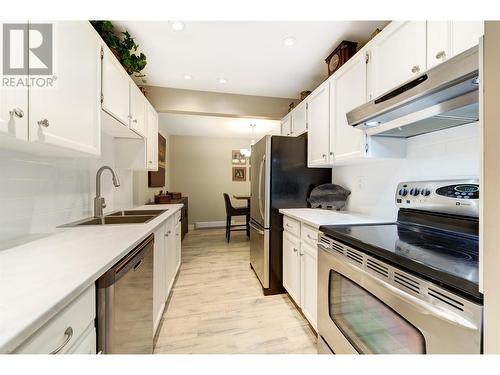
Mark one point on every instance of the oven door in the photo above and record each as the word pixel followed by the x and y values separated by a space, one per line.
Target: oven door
pixel 360 313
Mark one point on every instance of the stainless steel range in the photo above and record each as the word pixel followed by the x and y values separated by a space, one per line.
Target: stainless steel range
pixel 406 287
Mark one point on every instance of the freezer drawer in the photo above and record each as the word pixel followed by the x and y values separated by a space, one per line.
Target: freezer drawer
pixel 259 252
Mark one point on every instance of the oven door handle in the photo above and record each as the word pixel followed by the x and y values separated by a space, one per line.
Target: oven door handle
pixel 426 308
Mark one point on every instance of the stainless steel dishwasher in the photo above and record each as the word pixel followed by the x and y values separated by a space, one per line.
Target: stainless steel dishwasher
pixel 125 304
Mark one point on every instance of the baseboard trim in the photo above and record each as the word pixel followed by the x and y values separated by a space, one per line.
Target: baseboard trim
pixel 215 224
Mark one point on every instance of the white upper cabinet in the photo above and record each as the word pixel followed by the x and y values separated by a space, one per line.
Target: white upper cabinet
pixel 465 34
pixel 68 114
pixel 137 110
pixel 115 88
pixel 286 125
pixel 318 121
pixel 299 119
pixel 438 42
pixel 152 139
pixel 397 54
pixel 446 39
pixel 348 91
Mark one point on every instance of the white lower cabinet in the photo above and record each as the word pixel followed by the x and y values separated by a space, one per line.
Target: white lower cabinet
pixel 291 266
pixel 159 276
pixel 300 265
pixel 167 260
pixel 309 282
pixel 65 332
pixel 86 344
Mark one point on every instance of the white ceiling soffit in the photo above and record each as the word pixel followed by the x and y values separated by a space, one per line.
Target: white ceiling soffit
pixel 212 126
pixel 249 55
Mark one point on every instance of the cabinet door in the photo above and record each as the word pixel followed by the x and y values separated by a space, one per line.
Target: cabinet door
pixel 299 119
pixel 465 35
pixel 115 88
pixel 397 55
pixel 177 240
pixel 286 125
pixel 13 102
pixel 171 260
pixel 137 110
pixel 438 42
pixel 291 266
pixel 318 121
pixel 68 114
pixel 348 92
pixel 86 343
pixel 152 139
pixel 309 282
pixel 159 276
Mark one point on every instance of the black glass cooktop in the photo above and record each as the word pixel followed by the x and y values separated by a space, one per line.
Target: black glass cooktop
pixel 446 258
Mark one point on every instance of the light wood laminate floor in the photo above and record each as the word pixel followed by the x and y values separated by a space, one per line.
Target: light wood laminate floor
pixel 217 305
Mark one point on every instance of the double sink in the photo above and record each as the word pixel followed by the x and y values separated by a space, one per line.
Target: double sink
pixel 120 217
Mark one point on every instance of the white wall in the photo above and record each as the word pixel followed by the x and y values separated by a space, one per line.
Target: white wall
pixel 39 193
pixel 448 153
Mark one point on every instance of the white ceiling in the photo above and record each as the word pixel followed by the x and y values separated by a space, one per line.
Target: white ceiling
pixel 250 55
pixel 212 126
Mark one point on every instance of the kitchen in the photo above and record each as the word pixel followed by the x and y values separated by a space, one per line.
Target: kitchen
pixel 359 216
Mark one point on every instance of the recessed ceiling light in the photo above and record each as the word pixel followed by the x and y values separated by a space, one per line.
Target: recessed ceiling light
pixel 188 77
pixel 289 41
pixel 177 25
pixel 222 80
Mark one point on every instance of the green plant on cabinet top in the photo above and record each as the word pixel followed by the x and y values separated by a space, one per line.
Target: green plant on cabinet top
pixel 123 47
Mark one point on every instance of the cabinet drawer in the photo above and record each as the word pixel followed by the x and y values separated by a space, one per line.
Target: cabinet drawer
pixel 291 225
pixel 85 344
pixel 64 328
pixel 309 235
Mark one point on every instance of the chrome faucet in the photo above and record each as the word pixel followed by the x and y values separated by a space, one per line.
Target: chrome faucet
pixel 99 202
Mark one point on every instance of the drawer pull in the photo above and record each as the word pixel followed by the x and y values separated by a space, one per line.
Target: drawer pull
pixel 69 334
pixel 311 238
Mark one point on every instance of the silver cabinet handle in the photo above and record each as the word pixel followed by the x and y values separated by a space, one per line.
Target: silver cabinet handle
pixel 69 334
pixel 324 156
pixel 134 120
pixel 415 69
pixel 295 250
pixel 150 162
pixel 17 112
pixel 309 236
pixel 440 55
pixel 43 122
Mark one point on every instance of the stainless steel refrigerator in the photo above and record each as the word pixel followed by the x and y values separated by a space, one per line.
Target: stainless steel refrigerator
pixel 279 179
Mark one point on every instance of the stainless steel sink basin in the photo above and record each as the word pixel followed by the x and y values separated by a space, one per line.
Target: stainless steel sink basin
pixel 120 217
pixel 113 220
pixel 137 213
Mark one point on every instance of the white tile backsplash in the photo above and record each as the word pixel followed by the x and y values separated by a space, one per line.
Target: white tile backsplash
pixel 38 193
pixel 450 153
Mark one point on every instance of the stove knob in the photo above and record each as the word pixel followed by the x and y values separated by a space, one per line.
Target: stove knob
pixel 403 192
pixel 426 192
pixel 415 192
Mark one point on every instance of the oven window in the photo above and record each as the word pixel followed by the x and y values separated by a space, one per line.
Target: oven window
pixel 369 324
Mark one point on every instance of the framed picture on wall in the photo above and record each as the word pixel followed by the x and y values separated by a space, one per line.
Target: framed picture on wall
pixel 239 174
pixel 237 158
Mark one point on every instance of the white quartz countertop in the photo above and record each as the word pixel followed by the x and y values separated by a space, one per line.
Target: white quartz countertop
pixel 317 217
pixel 39 278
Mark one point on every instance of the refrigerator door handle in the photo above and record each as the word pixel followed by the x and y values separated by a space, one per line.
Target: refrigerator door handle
pixel 260 231
pixel 260 187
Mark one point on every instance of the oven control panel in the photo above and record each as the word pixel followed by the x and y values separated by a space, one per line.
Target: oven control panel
pixel 457 197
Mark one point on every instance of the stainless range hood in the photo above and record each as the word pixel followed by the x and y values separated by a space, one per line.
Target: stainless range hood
pixel 444 96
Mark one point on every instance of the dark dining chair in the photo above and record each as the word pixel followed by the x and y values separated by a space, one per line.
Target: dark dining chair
pixel 236 211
